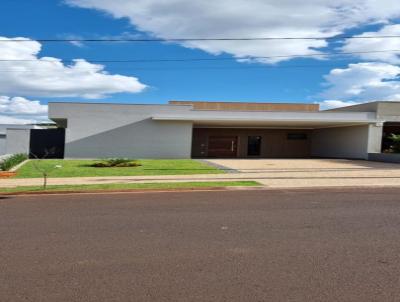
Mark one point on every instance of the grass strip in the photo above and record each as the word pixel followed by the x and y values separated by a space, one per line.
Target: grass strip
pixel 131 186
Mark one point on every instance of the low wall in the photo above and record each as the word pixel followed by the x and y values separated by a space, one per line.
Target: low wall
pixel 385 157
pixel 18 141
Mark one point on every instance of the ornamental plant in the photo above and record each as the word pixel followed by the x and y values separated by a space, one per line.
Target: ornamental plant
pixel 116 162
pixel 395 147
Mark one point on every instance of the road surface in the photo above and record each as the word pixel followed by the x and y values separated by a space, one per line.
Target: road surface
pixel 257 245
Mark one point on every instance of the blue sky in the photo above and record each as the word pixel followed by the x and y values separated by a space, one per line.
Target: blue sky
pixel 296 80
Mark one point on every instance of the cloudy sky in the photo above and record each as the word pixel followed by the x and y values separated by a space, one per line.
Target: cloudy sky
pixel 356 66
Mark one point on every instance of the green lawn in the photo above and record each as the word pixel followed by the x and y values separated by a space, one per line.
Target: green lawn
pixel 80 168
pixel 134 186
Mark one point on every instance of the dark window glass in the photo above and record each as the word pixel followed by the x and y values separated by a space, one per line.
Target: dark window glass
pixel 254 146
pixel 297 136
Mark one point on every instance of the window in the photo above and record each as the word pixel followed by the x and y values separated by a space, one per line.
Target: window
pixel 254 146
pixel 297 136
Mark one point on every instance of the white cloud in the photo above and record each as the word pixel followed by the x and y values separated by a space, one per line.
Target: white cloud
pixel 19 110
pixel 20 105
pixel 330 104
pixel 241 18
pixel 377 44
pixel 363 82
pixel 50 77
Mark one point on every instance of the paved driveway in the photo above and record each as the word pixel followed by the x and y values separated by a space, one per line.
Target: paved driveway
pixel 314 172
pixel 300 165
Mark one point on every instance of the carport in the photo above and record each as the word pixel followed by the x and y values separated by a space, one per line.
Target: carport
pixel 229 134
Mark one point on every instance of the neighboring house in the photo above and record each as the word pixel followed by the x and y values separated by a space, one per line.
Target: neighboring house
pixel 13 138
pixel 211 130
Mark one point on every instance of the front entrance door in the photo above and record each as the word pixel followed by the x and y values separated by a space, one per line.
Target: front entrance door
pixel 222 146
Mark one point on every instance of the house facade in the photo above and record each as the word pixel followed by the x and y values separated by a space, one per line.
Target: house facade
pixel 15 138
pixel 184 129
pixel 223 130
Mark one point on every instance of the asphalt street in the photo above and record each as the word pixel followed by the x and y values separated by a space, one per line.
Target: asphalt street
pixel 256 245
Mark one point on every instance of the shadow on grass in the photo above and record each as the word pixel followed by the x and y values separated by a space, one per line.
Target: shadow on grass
pixel 89 166
pixel 151 169
pixel 181 169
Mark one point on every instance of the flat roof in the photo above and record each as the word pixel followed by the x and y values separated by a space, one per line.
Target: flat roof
pixel 214 105
pixel 108 103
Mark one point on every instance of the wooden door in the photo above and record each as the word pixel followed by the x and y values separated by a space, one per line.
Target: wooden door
pixel 222 146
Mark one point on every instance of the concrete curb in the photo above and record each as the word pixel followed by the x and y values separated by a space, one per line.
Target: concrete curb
pixel 283 190
pixel 66 192
pixel 15 168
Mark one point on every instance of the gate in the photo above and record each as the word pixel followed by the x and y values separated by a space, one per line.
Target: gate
pixel 47 143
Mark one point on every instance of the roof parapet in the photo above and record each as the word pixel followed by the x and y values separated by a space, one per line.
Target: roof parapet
pixel 246 106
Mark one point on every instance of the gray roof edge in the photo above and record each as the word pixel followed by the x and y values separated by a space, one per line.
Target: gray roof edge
pixel 361 104
pixel 118 104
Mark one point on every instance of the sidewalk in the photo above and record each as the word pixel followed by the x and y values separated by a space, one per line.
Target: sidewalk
pixel 273 179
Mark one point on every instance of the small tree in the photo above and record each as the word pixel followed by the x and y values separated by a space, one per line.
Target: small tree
pixel 395 138
pixel 42 169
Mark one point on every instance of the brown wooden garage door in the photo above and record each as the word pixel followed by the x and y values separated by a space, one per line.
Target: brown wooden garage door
pixel 222 146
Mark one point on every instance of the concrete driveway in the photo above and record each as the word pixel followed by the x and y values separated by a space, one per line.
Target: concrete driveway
pixel 299 165
pixel 280 173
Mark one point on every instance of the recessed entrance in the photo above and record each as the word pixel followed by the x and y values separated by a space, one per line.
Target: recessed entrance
pixel 222 146
pixel 251 143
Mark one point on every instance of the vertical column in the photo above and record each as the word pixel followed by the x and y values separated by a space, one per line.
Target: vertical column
pixel 375 133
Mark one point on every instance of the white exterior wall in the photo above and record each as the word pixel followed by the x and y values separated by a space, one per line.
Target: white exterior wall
pixel 375 138
pixel 346 142
pixel 3 140
pixel 116 130
pixel 3 135
pixel 18 141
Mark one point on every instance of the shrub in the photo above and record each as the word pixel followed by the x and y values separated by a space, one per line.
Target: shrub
pixel 116 162
pixel 12 161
